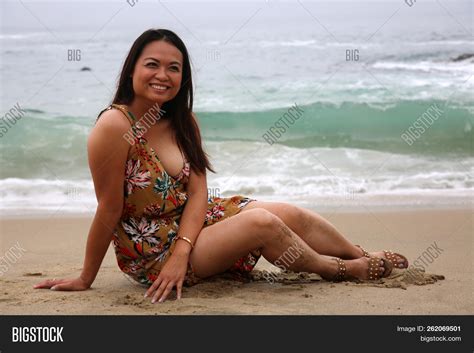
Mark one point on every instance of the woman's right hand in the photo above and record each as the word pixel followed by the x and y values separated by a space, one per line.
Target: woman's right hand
pixel 76 284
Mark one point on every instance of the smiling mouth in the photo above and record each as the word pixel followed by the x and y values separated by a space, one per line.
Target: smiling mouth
pixel 159 88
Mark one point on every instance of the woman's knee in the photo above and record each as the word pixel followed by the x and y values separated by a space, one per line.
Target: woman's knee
pixel 263 221
pixel 291 212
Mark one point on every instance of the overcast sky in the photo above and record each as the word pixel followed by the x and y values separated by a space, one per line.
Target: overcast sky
pixel 90 15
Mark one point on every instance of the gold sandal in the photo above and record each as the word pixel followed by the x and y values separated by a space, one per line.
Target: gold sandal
pixel 373 270
pixel 391 257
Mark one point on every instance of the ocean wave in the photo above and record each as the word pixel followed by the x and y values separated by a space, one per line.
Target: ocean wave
pixel 42 145
pixel 426 66
pixel 23 35
pixel 18 195
pixel 323 44
pixel 350 125
pixel 336 175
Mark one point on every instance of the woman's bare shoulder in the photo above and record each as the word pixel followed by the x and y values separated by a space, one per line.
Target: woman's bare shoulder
pixel 111 131
pixel 112 120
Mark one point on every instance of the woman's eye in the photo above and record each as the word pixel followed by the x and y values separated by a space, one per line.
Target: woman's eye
pixel 151 64
pixel 174 68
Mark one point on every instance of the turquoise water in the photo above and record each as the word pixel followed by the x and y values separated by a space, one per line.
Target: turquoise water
pixel 252 63
pixel 351 125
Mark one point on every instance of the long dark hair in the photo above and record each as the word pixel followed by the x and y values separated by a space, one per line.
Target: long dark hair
pixel 180 108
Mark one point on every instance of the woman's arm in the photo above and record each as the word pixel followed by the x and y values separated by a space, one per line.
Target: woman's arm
pixel 107 152
pixel 192 220
pixel 191 223
pixel 194 213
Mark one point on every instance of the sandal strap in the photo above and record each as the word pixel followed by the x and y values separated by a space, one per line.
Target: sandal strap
pixel 341 271
pixel 389 255
pixel 366 254
pixel 394 258
pixel 373 270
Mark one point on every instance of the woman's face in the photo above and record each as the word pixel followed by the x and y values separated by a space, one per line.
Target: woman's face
pixel 158 72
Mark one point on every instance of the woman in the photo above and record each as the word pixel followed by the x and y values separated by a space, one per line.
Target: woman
pixel 149 173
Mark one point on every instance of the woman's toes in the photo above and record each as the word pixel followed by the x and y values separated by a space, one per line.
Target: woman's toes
pixel 381 268
pixel 401 263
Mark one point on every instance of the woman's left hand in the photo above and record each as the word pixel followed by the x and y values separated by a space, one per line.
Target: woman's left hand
pixel 172 274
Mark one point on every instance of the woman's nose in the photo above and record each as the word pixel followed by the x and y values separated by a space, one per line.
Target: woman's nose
pixel 161 74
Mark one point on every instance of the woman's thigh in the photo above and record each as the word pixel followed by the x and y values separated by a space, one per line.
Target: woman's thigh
pixel 218 246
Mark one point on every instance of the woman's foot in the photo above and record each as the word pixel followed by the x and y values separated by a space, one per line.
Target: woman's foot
pixel 397 260
pixel 364 268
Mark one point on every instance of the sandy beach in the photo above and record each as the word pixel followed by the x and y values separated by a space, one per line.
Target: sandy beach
pixel 37 248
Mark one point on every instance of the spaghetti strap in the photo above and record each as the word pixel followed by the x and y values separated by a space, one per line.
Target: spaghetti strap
pixel 101 112
pixel 125 112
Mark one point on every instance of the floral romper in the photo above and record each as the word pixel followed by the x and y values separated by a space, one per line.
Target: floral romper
pixel 145 235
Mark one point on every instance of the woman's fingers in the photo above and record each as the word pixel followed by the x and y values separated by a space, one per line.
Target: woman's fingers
pixel 44 284
pixel 64 286
pixel 49 283
pixel 153 287
pixel 168 289
pixel 160 290
pixel 179 288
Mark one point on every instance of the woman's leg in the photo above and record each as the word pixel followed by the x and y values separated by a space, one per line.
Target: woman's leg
pixel 317 232
pixel 218 247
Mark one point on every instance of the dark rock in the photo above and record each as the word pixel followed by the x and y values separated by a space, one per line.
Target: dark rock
pixel 463 57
